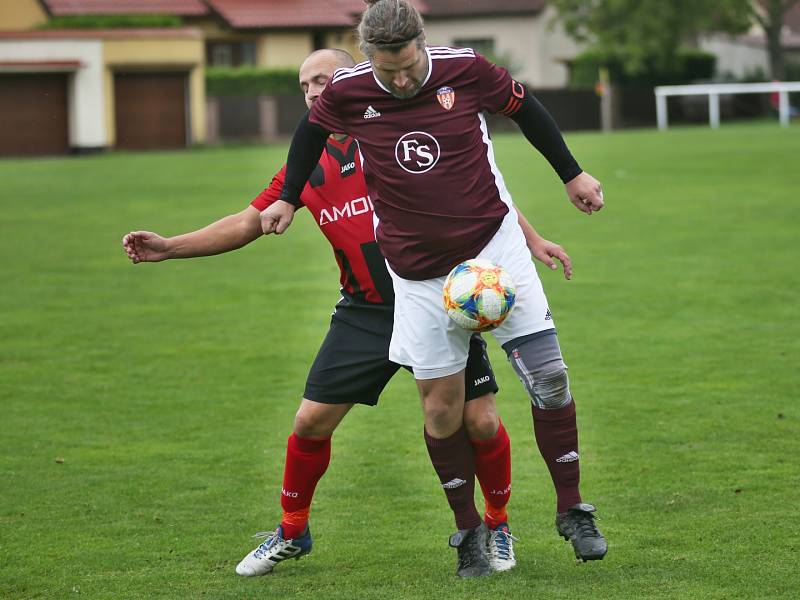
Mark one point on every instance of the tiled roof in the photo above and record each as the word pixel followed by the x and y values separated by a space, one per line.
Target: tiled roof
pixel 116 33
pixel 60 8
pixel 468 8
pixel 244 14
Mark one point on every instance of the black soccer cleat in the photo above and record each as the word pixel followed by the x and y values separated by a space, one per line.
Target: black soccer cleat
pixel 473 558
pixel 577 526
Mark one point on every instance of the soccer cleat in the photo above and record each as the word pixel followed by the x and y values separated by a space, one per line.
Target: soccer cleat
pixel 473 559
pixel 500 546
pixel 577 526
pixel 272 551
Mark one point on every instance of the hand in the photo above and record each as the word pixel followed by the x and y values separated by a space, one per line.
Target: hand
pixel 545 251
pixel 585 193
pixel 145 246
pixel 277 217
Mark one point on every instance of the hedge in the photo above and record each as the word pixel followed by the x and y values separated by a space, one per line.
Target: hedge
pixel 243 81
pixel 112 21
pixel 690 65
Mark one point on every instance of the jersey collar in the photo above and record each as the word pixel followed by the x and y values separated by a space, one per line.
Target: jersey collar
pixel 427 77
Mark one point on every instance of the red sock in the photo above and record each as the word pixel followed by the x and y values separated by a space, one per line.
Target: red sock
pixel 306 462
pixel 557 437
pixel 493 469
pixel 454 462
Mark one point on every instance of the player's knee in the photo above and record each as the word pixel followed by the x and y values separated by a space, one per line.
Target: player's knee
pixel 480 418
pixel 550 388
pixel 306 425
pixel 542 371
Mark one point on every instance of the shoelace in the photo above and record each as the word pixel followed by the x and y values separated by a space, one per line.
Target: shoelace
pixel 500 543
pixel 265 545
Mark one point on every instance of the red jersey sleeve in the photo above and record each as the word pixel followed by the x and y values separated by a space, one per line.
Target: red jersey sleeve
pixel 270 194
pixel 498 90
pixel 324 112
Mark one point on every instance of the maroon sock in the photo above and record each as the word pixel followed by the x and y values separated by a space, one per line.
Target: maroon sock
pixel 493 468
pixel 557 437
pixel 454 461
pixel 306 463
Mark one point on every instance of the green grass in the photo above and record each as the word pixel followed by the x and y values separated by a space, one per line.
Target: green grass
pixel 169 390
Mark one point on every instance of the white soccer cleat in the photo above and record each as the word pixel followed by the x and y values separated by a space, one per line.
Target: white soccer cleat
pixel 501 548
pixel 272 551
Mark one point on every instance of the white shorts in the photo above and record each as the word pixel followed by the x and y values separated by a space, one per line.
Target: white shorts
pixel 426 339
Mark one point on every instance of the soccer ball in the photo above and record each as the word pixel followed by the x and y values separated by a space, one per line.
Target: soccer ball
pixel 478 295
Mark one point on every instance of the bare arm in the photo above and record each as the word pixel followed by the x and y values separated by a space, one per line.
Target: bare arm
pixel 229 233
pixel 542 249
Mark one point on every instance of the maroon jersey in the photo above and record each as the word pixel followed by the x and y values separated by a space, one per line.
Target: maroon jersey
pixel 336 194
pixel 429 162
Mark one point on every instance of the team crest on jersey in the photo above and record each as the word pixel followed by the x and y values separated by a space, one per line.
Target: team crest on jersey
pixel 446 96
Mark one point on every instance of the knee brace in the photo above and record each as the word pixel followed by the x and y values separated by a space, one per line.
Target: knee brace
pixel 537 361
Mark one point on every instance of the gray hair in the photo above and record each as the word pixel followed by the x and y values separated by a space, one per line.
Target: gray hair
pixel 390 25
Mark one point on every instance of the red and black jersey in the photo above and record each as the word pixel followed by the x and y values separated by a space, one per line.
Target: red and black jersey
pixel 429 162
pixel 336 195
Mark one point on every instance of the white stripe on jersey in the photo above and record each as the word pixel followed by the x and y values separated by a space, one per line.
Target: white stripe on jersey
pixel 499 182
pixel 443 56
pixel 441 50
pixel 359 69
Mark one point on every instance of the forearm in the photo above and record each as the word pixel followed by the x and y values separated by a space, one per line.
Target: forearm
pixel 304 153
pixel 542 132
pixel 532 237
pixel 229 233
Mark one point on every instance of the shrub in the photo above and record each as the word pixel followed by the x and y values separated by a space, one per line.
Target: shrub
pixel 243 81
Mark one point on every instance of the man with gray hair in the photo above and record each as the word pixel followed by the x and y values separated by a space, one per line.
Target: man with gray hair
pixel 418 113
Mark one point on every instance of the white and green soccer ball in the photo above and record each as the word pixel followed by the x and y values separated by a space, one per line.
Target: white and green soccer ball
pixel 478 295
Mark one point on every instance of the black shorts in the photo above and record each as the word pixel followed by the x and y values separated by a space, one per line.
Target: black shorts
pixel 353 366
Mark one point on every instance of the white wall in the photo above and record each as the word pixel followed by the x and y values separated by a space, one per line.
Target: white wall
pixel 741 57
pixel 535 47
pixel 86 108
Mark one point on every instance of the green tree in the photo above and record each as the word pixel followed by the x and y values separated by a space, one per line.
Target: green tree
pixel 770 14
pixel 638 33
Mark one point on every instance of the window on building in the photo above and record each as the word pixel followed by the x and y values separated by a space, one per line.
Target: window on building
pixel 483 46
pixel 220 55
pixel 231 54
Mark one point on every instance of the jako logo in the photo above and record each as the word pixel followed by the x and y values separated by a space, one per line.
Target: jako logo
pixel 356 207
pixel 481 380
pixel 417 152
pixel 289 494
pixel 502 492
pixel 348 167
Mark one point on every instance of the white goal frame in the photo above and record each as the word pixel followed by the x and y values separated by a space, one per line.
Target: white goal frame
pixel 715 90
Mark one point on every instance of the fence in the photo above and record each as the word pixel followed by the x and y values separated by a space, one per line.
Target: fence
pixel 715 90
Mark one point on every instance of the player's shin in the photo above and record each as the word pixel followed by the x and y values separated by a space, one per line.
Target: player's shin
pixel 556 434
pixel 306 463
pixel 453 460
pixel 493 469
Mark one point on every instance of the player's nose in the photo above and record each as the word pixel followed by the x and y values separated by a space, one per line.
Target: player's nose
pixel 401 80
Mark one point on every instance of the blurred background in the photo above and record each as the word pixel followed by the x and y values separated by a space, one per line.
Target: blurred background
pixel 81 76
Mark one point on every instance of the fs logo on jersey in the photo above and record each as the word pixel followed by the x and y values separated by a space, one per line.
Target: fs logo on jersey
pixel 417 152
pixel 446 96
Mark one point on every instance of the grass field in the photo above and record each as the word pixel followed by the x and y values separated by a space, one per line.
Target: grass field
pixel 144 409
